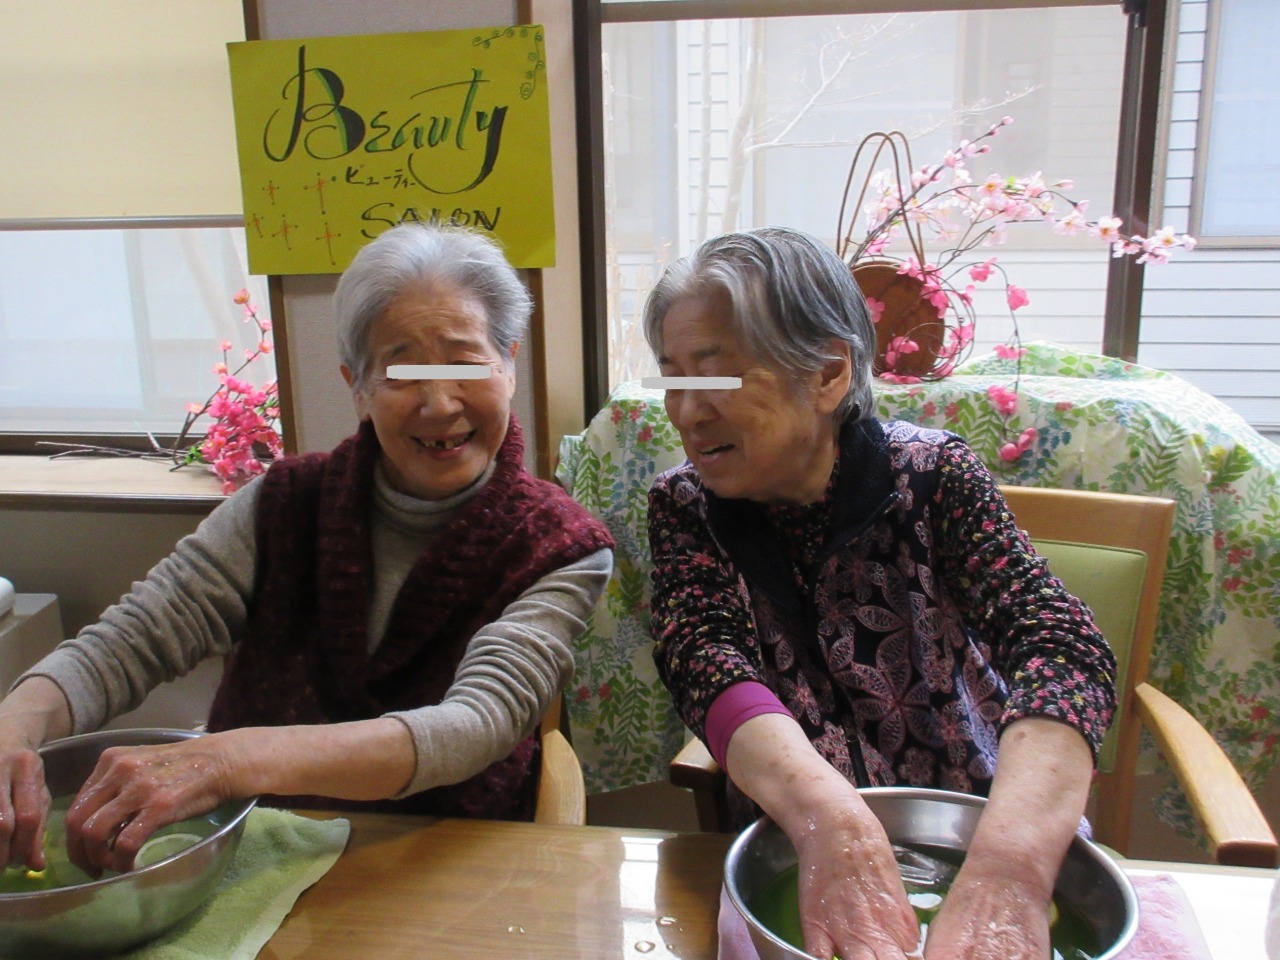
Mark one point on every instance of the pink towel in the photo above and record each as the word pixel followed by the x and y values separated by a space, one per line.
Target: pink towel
pixel 735 939
pixel 1167 927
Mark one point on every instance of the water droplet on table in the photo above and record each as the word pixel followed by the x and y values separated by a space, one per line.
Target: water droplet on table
pixel 645 946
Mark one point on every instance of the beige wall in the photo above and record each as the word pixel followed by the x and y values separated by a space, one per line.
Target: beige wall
pixel 561 293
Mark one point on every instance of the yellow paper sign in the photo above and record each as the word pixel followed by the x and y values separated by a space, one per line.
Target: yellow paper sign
pixel 342 138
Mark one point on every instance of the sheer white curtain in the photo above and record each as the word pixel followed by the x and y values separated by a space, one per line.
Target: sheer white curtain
pixel 115 331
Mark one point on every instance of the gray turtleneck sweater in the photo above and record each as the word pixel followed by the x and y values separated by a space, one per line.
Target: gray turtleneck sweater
pixel 193 605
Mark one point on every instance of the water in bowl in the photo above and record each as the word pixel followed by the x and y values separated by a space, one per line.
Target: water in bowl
pixel 61 872
pixel 777 908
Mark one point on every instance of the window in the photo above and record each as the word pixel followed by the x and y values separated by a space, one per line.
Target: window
pixel 713 125
pixel 116 331
pixel 121 251
pixel 1239 155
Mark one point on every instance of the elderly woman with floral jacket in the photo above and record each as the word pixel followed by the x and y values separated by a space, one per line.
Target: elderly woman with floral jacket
pixel 840 602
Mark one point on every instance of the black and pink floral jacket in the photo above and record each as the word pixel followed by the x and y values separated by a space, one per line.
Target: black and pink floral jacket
pixel 904 619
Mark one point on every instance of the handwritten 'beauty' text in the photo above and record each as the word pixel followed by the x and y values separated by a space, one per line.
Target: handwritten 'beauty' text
pixel 441 118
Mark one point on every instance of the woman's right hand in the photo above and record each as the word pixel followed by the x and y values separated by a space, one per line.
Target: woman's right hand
pixel 24 807
pixel 852 902
pixel 33 713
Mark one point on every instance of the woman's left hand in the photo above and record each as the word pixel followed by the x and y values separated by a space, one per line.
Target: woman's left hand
pixel 990 915
pixel 998 907
pixel 134 791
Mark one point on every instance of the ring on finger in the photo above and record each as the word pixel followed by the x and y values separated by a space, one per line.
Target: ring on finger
pixel 115 835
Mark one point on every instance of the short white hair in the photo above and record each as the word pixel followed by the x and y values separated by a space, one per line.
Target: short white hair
pixel 416 253
pixel 790 294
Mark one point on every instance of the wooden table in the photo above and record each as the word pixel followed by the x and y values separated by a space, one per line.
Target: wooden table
pixel 456 889
pixel 409 887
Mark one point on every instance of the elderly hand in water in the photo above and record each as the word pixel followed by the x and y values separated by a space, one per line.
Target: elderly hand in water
pixel 24 807
pixel 990 914
pixel 134 791
pixel 998 907
pixel 33 712
pixel 852 902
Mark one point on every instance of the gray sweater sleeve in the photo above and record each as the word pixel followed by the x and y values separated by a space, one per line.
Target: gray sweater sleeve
pixel 512 670
pixel 191 606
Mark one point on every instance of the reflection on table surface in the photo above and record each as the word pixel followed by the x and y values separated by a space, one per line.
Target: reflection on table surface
pixel 410 887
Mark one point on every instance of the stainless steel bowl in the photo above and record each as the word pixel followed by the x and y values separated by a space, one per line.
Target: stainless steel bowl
pixel 1089 881
pixel 116 913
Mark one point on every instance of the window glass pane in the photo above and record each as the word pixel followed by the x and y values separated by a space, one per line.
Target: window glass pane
pixel 729 124
pixel 1243 153
pixel 116 331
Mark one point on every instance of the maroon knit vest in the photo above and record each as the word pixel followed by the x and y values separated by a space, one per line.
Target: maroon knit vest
pixel 305 658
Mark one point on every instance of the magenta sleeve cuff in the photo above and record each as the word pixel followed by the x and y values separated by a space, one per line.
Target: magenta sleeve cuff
pixel 734 707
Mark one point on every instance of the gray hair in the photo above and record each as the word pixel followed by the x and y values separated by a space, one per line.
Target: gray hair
pixel 790 296
pixel 418 253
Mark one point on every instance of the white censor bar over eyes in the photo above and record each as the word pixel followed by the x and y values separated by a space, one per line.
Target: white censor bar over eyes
pixel 439 371
pixel 691 383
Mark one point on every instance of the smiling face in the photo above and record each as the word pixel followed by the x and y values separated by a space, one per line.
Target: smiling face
pixel 772 440
pixel 437 435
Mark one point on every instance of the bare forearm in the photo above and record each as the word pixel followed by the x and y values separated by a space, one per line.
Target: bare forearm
pixel 34 713
pixel 772 761
pixel 1037 799
pixel 361 760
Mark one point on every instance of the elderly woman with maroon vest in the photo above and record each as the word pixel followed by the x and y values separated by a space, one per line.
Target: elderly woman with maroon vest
pixel 396 614
pixel 840 602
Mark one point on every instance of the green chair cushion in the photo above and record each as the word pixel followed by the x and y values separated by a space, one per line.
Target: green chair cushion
pixel 1109 580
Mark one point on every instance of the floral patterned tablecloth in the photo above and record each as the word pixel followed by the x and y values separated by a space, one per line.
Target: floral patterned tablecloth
pixel 1101 424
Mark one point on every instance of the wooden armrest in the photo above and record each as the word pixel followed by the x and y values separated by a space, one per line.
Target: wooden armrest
pixel 562 792
pixel 695 769
pixel 1218 795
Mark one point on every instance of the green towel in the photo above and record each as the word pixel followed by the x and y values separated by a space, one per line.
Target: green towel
pixel 280 855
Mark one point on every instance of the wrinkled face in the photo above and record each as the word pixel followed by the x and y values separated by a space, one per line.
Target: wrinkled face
pixel 437 435
pixel 773 439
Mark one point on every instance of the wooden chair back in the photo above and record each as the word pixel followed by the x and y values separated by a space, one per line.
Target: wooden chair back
pixel 562 792
pixel 1125 596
